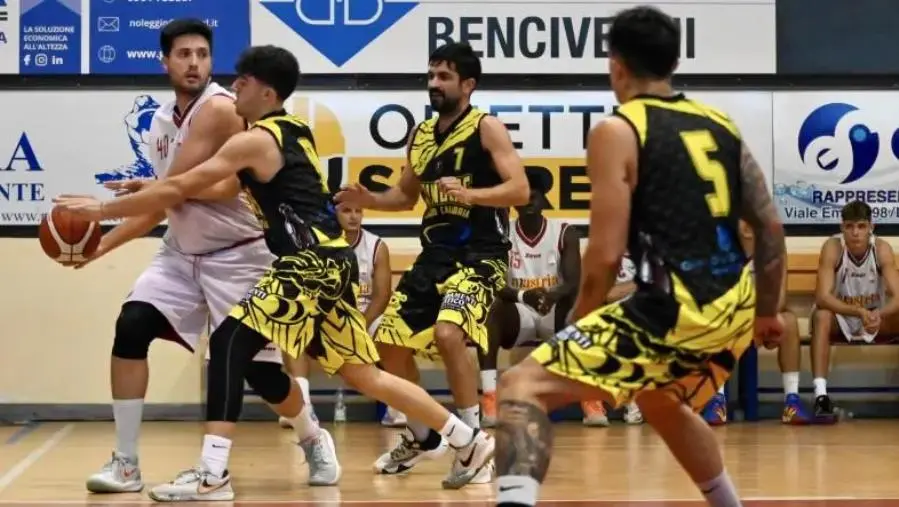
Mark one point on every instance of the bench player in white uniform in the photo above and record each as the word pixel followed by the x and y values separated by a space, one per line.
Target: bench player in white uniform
pixel 855 270
pixel 543 276
pixel 212 253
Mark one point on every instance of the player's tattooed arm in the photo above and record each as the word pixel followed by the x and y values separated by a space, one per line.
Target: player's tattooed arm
pixel 524 440
pixel 770 247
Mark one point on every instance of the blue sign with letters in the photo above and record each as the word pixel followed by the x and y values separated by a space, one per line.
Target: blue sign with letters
pixel 339 29
pixel 50 37
pixel 124 35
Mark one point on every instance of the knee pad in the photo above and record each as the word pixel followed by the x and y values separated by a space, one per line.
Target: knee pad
pixel 269 381
pixel 138 324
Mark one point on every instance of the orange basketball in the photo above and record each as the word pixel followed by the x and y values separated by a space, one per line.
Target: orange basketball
pixel 68 239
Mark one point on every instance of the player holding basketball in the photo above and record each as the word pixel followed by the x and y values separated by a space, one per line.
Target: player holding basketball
pixel 304 303
pixel 462 162
pixel 670 179
pixel 856 269
pixel 212 254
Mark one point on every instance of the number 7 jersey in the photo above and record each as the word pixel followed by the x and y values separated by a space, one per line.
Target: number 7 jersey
pixel 686 205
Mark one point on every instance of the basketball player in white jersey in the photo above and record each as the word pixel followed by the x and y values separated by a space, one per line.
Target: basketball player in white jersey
pixel 855 270
pixel 544 271
pixel 212 253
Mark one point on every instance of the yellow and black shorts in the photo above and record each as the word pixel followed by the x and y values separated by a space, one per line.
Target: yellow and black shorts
pixel 305 303
pixel 652 341
pixel 442 288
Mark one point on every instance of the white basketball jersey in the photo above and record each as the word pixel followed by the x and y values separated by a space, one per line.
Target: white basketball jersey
pixel 536 262
pixel 197 227
pixel 366 247
pixel 858 283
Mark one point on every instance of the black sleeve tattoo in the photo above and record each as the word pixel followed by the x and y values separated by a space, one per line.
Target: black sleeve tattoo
pixel 770 247
pixel 524 440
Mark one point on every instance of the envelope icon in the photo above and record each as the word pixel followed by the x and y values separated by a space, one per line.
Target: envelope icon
pixel 108 24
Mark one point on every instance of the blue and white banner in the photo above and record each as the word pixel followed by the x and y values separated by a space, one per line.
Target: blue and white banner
pixel 832 148
pixel 50 37
pixel 124 34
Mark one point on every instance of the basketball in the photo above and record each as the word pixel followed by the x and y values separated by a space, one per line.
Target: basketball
pixel 66 238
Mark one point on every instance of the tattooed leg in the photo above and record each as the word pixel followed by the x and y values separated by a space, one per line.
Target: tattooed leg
pixel 524 443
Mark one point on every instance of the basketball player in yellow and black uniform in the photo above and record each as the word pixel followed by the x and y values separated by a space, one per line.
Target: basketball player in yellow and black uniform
pixel 670 179
pixel 305 303
pixel 462 162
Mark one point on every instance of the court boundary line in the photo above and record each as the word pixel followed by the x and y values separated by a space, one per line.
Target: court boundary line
pixel 439 501
pixel 33 457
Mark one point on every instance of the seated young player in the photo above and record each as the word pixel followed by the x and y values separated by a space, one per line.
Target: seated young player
pixel 544 270
pixel 855 270
pixel 373 257
pixel 788 358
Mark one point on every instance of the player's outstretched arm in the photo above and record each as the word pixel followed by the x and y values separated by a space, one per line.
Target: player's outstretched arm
pixel 514 190
pixel 254 149
pixel 770 247
pixel 401 197
pixel 611 166
pixel 826 279
pixel 211 126
pixel 886 261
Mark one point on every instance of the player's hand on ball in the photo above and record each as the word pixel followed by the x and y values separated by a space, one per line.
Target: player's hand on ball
pixel 355 195
pixel 453 187
pixel 82 206
pixel 126 187
pixel 769 331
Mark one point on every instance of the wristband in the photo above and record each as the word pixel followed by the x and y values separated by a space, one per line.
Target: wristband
pixel 521 296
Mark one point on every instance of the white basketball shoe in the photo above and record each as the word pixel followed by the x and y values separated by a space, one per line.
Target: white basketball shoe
pixel 120 474
pixel 195 485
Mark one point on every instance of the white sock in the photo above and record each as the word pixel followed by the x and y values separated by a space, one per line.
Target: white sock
pixel 720 491
pixel 128 415
pixel 456 432
pixel 303 382
pixel 471 416
pixel 215 454
pixel 419 430
pixel 304 424
pixel 721 390
pixel 791 382
pixel 488 381
pixel 820 386
pixel 518 489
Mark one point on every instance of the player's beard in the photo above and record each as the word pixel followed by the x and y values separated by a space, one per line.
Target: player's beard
pixel 191 90
pixel 441 103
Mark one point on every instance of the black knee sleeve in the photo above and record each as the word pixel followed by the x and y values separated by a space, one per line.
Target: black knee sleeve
pixel 138 324
pixel 232 347
pixel 269 381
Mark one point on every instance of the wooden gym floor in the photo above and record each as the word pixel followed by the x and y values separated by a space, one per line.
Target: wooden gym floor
pixel 852 464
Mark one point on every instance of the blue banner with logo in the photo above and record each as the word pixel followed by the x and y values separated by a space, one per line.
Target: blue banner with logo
pixel 834 148
pixel 50 37
pixel 124 35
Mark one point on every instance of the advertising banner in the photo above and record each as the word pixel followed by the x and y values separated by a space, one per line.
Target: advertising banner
pixel 9 36
pixel 124 36
pixel 832 148
pixel 519 37
pixel 101 136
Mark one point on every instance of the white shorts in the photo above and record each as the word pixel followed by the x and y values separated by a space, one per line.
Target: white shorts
pixel 851 328
pixel 196 292
pixel 533 327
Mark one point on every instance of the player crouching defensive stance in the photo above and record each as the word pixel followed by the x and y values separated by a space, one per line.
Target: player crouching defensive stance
pixel 305 301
